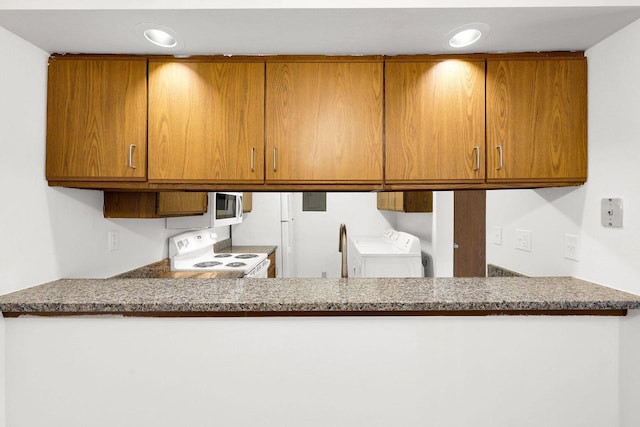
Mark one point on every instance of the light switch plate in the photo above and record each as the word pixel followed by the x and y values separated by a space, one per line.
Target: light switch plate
pixel 497 235
pixel 571 247
pixel 114 240
pixel 611 212
pixel 523 240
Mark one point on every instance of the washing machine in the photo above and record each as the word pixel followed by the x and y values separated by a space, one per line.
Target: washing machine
pixel 392 254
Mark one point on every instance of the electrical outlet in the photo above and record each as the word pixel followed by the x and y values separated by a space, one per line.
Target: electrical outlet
pixel 571 247
pixel 114 240
pixel 523 240
pixel 497 235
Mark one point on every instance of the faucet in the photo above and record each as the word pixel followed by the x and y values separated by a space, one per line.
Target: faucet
pixel 342 247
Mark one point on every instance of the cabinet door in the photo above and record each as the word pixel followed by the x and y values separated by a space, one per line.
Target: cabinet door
pixel 537 120
pixel 132 204
pixel 392 201
pixel 324 122
pixel 181 203
pixel 434 121
pixel 247 202
pixel 406 201
pixel 418 201
pixel 129 204
pixel 96 119
pixel 382 201
pixel 206 121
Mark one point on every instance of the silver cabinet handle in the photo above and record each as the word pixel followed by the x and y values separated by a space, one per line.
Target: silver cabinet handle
pixel 477 150
pixel 131 148
pixel 275 159
pixel 501 159
pixel 253 151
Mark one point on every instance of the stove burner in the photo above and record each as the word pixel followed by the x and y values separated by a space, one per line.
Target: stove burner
pixel 235 264
pixel 207 264
pixel 246 256
pixel 222 256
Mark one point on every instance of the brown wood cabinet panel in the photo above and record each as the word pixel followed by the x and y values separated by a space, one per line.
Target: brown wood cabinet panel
pixel 271 272
pixel 206 121
pixel 135 204
pixel 469 233
pixel 537 120
pixel 324 122
pixel 181 203
pixel 405 201
pixel 129 204
pixel 417 201
pixel 383 201
pixel 247 202
pixel 96 119
pixel 434 121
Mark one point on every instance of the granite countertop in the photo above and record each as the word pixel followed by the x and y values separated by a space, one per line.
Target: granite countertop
pixel 257 249
pixel 354 296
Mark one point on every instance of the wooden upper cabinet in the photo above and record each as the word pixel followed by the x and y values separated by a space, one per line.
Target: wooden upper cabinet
pixel 96 119
pixel 435 120
pixel 537 120
pixel 324 121
pixel 181 203
pixel 405 201
pixel 206 121
pixel 132 204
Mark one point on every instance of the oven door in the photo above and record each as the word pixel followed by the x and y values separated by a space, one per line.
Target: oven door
pixel 227 208
pixel 259 271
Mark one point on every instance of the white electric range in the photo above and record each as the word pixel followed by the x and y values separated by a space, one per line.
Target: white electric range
pixel 194 251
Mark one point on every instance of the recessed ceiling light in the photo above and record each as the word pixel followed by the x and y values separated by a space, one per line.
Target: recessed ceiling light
pixel 465 38
pixel 160 37
pixel 466 35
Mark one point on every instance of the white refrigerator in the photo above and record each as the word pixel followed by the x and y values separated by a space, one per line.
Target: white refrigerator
pixel 287 235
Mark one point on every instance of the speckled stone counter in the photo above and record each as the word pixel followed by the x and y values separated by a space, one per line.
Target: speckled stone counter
pixel 497 271
pixel 265 297
pixel 234 249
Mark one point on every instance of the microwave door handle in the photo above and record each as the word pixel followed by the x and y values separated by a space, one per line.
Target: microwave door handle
pixel 239 207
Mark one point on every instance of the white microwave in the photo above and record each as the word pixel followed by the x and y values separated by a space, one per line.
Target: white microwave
pixel 227 208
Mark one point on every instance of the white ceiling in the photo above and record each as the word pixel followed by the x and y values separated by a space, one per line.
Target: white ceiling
pixel 351 31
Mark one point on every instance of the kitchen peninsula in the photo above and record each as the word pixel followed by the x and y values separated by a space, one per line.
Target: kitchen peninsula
pixel 305 351
pixel 285 297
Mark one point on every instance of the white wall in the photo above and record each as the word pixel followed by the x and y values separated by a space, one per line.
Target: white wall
pixel 22 109
pixel 549 214
pixel 496 371
pixel 317 233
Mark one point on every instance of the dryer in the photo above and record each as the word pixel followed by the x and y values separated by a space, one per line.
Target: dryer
pixel 392 254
